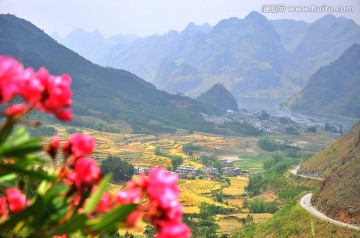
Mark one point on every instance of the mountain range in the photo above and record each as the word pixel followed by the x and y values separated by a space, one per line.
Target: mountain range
pixel 251 56
pixel 99 92
pixel 333 89
pixel 93 46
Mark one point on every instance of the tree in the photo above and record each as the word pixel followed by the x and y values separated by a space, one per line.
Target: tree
pixel 278 156
pixel 264 115
pixel 119 168
pixel 255 185
pixel 249 219
pixel 219 197
pixel 187 149
pixel 312 129
pixel 268 144
pixel 176 161
pixel 158 151
pixel 149 231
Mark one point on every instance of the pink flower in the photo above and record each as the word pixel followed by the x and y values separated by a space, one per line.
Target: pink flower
pixel 4 212
pixel 62 236
pixel 86 172
pixel 132 218
pixel 15 199
pixel 163 187
pixel 81 145
pixel 64 115
pixel 131 194
pixel 106 203
pixel 30 87
pixel 15 110
pixel 11 72
pixel 56 96
pixel 175 212
pixel 171 229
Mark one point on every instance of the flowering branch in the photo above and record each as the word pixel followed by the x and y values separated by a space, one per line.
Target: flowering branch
pixel 71 197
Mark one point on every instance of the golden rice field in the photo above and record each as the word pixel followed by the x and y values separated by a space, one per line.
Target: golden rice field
pixel 237 186
pixel 139 150
pixel 194 192
pixel 229 224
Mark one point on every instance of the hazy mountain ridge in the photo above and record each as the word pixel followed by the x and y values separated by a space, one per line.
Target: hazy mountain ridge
pixel 334 89
pixel 93 46
pixel 222 56
pixel 102 92
pixel 219 97
pixel 291 32
pixel 250 56
pixel 325 40
pixel 339 193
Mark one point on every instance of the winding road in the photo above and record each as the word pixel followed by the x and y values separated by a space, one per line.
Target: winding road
pixel 295 172
pixel 305 202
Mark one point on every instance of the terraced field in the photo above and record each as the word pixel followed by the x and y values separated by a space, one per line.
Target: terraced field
pixel 139 149
pixel 193 192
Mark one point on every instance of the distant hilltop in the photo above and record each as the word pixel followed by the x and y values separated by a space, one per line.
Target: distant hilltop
pixel 219 97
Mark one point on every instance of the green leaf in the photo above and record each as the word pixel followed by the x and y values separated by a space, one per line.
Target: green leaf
pixel 20 144
pixel 43 187
pixel 95 198
pixel 19 136
pixel 75 223
pixel 35 174
pixel 5 132
pixel 109 220
pixel 27 147
pixel 15 219
pixel 7 177
pixel 38 207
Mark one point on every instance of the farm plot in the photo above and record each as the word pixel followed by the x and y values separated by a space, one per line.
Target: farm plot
pixel 237 185
pixel 252 163
pixel 194 192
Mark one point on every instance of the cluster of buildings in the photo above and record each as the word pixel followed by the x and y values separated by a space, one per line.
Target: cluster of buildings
pixel 272 124
pixel 185 171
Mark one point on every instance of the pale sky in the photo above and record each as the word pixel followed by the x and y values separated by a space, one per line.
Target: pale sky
pixel 147 17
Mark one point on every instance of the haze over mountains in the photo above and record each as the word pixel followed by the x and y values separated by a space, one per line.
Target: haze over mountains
pixel 251 56
pixel 93 46
pixel 102 93
pixel 335 88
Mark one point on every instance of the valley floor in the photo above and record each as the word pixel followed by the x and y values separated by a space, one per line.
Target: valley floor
pixel 140 150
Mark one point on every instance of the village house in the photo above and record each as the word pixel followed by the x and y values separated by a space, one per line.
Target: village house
pixel 231 171
pixel 139 170
pixel 183 169
pixel 226 162
pixel 210 170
